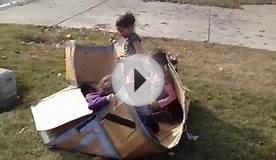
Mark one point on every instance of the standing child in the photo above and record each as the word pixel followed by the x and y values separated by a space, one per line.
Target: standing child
pixel 125 25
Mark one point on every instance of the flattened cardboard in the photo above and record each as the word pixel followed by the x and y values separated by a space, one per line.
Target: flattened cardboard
pixel 60 108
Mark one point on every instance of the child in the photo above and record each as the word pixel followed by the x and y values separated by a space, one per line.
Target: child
pixel 103 96
pixel 167 101
pixel 169 95
pixel 125 25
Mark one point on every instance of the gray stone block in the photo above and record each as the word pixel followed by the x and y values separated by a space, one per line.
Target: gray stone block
pixel 8 89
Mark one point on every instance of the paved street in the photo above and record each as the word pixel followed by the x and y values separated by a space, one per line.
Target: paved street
pixel 254 26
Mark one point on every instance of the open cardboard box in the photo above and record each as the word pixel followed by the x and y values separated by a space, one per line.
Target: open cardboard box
pixel 64 120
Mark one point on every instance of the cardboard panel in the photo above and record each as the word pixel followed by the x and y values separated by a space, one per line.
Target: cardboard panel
pixel 88 63
pixel 117 132
pixel 94 148
pixel 136 144
pixel 69 103
pixel 128 141
pixel 73 143
pixel 53 133
pixel 70 72
pixel 120 134
pixel 170 135
pixel 143 146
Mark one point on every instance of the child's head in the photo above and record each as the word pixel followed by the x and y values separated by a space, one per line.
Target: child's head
pixel 125 24
pixel 160 55
pixel 104 87
pixel 86 89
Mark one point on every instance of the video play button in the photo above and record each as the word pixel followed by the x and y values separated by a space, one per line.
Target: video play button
pixel 138 80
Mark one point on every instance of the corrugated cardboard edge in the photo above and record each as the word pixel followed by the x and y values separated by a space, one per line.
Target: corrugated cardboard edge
pixel 40 119
pixel 183 99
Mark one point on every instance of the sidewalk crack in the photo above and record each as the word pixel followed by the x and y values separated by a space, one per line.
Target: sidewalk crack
pixel 81 12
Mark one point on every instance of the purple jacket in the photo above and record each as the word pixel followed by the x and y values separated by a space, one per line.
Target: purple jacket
pixel 96 101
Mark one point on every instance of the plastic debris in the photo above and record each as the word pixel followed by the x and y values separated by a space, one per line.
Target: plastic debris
pixel 171 153
pixel 260 35
pixel 262 30
pixel 35 57
pixel 22 130
pixel 190 136
pixel 30 42
pixel 58 45
pixel 164 23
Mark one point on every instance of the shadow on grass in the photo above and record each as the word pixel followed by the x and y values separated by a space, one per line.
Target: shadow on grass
pixel 218 139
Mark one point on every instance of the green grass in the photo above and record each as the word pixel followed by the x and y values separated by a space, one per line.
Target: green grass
pixel 233 110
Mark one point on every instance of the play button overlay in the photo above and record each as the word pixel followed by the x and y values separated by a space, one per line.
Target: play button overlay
pixel 137 80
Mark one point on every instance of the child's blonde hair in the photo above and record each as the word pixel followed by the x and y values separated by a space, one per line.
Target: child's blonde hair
pixel 104 86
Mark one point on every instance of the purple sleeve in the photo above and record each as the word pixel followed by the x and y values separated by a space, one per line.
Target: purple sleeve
pixel 96 102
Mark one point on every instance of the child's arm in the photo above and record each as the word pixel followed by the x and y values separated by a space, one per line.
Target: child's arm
pixel 97 102
pixel 138 46
pixel 170 98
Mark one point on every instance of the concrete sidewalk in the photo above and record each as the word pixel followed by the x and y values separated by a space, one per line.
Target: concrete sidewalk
pixel 4 4
pixel 255 26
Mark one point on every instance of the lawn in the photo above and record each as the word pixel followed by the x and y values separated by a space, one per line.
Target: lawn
pixel 233 94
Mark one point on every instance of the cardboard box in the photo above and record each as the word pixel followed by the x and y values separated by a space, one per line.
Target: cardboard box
pixel 64 120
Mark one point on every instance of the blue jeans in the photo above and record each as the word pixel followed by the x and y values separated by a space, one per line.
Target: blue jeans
pixel 145 115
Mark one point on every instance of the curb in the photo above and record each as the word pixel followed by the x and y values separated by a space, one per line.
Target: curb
pixel 15 3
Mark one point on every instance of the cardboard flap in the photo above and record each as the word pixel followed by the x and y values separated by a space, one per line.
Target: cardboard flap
pixel 88 64
pixel 60 108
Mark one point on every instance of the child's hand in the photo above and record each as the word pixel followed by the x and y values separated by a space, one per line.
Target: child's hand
pixel 113 38
pixel 155 106
pixel 119 58
pixel 112 98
